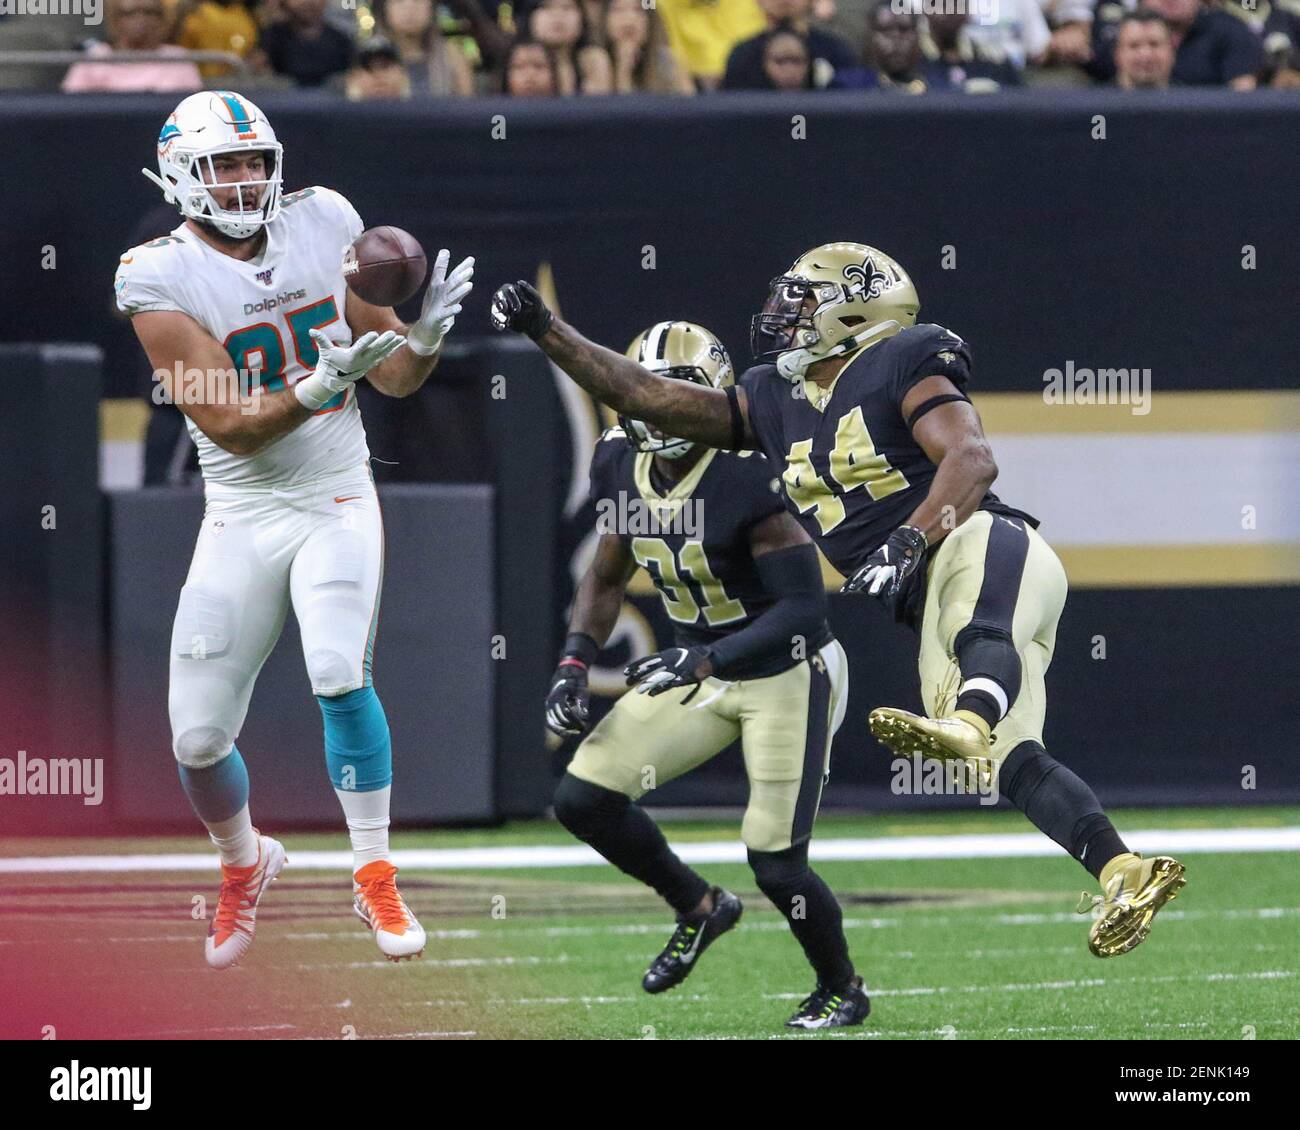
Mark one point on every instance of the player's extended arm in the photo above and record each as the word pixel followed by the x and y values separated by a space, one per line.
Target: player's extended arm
pixel 679 408
pixel 953 438
pixel 596 606
pixel 405 371
pixel 790 570
pixel 199 377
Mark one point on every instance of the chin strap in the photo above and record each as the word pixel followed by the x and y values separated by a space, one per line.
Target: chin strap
pixel 794 362
pixel 168 191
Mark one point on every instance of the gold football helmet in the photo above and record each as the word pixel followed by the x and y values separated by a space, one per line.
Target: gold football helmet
pixel 684 351
pixel 833 299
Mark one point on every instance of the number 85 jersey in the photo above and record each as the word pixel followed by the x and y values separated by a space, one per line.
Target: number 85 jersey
pixel 261 311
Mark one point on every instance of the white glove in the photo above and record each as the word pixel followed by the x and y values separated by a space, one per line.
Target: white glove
pixel 441 304
pixel 342 365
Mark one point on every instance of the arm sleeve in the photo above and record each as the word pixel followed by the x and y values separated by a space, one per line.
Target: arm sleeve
pixel 930 351
pixel 794 577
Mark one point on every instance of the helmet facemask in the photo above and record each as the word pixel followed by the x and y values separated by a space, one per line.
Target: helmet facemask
pixel 195 198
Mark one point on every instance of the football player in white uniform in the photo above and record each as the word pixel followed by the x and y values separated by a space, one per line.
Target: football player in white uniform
pixel 251 283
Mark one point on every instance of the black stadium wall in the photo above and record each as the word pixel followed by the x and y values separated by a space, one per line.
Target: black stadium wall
pixel 1014 215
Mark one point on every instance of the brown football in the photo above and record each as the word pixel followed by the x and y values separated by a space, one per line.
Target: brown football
pixel 384 266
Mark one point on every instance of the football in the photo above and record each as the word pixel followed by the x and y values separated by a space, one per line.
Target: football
pixel 384 266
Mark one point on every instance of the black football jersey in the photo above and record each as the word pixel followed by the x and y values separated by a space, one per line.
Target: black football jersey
pixel 692 537
pixel 852 473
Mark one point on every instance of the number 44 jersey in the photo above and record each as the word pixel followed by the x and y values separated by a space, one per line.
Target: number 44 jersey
pixel 261 311
pixel 851 471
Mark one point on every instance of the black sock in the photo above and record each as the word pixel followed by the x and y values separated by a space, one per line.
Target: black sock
pixel 980 703
pixel 809 907
pixel 623 833
pixel 1060 805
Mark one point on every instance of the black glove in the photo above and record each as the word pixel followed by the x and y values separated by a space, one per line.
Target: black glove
pixel 672 667
pixel 568 702
pixel 890 565
pixel 517 306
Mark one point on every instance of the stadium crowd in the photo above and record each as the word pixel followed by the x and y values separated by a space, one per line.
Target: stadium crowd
pixel 388 49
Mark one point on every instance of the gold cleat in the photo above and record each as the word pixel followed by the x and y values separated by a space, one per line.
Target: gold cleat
pixel 962 738
pixel 1133 895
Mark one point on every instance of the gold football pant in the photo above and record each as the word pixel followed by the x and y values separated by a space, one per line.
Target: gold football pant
pixel 999 574
pixel 785 723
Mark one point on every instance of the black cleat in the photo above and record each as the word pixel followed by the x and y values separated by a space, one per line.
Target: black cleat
pixel 833 1008
pixel 692 937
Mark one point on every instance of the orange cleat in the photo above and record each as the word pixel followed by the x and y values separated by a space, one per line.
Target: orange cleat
pixel 379 904
pixel 231 932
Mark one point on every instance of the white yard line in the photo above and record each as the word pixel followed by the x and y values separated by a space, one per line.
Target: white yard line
pixel 993 846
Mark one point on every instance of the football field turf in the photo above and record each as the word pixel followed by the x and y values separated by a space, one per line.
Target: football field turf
pixel 961 948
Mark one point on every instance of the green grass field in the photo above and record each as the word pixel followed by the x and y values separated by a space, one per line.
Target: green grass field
pixel 964 949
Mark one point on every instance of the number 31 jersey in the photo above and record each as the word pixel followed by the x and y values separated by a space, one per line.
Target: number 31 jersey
pixel 693 538
pixel 261 311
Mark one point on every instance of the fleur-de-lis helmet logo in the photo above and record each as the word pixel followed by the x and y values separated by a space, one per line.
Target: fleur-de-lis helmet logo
pixel 868 279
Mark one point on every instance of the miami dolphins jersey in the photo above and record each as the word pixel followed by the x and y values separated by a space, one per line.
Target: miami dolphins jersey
pixel 261 311
pixel 692 537
pixel 851 471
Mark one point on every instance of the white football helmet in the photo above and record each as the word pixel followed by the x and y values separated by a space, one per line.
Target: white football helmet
pixel 203 125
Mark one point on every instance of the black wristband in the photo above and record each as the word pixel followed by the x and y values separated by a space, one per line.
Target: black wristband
pixel 737 419
pixel 579 645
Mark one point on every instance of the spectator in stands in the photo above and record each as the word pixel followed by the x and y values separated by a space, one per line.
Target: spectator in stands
pixel 787 61
pixel 432 64
pixel 529 70
pixel 638 48
pixel 304 46
pixel 1012 31
pixel 1211 47
pixel 219 25
pixel 582 67
pixel 1070 22
pixel 703 34
pixel 954 61
pixel 1144 52
pixel 377 73
pixel 828 51
pixel 893 56
pixel 1278 30
pixel 133 25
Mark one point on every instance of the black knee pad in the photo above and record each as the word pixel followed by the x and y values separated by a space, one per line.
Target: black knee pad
pixel 780 874
pixel 989 652
pixel 582 807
